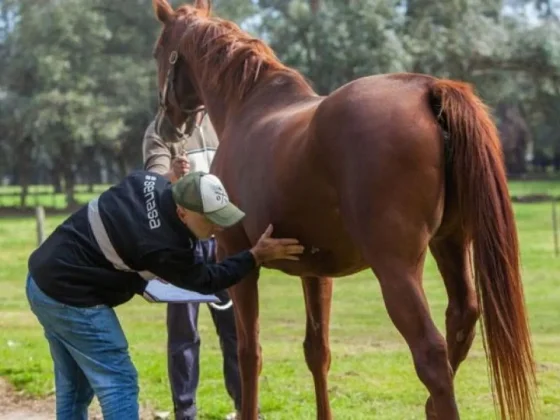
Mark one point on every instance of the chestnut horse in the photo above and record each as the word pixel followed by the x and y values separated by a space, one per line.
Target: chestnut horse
pixel 370 176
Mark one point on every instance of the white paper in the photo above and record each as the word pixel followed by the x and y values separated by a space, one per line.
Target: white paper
pixel 166 292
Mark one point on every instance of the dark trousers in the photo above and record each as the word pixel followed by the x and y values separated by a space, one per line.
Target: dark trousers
pixel 183 347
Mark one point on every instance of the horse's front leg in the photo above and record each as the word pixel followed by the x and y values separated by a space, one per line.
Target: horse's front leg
pixel 318 296
pixel 245 297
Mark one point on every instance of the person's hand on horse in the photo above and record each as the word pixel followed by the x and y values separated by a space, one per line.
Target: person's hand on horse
pixel 269 249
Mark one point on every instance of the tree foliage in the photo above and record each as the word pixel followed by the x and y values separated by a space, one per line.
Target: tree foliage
pixel 78 82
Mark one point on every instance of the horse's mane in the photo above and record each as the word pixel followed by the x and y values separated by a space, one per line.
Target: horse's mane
pixel 224 52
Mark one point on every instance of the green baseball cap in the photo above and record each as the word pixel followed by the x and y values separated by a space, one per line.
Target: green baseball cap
pixel 204 193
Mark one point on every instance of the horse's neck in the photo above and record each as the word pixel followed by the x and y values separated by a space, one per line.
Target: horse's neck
pixel 217 111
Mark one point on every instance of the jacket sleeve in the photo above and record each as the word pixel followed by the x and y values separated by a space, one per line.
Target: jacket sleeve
pixel 205 278
pixel 156 155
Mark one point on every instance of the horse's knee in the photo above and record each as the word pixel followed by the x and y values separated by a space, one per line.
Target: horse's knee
pixel 317 353
pixel 249 356
pixel 432 366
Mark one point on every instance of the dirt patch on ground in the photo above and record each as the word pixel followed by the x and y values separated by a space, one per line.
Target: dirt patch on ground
pixel 15 405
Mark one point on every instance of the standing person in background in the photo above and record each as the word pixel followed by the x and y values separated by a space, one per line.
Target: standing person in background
pixel 194 152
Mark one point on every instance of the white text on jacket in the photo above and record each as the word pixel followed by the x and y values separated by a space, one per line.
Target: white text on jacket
pixel 149 197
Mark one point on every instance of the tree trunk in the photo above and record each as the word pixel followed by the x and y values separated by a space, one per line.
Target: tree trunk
pixel 24 190
pixel 121 162
pixel 314 5
pixel 55 179
pixel 23 167
pixel 93 171
pixel 69 184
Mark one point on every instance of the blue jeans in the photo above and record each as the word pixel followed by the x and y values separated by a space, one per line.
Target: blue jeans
pixel 90 355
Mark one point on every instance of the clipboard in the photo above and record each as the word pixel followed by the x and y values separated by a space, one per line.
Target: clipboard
pixel 158 291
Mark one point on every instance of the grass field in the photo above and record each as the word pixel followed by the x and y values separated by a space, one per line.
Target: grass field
pixel 371 376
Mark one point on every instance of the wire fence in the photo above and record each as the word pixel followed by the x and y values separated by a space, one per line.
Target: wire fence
pixel 46 196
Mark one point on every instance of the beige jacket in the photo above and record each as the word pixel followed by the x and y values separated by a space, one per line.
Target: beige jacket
pixel 200 148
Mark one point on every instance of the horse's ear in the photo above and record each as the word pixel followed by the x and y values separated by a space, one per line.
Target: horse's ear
pixel 205 5
pixel 163 10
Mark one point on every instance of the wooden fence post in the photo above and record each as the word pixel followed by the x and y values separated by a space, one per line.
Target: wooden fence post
pixel 40 218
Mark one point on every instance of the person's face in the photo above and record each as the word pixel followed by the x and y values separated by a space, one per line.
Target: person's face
pixel 198 224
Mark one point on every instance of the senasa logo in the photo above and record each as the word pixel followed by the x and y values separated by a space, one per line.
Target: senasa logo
pixel 151 206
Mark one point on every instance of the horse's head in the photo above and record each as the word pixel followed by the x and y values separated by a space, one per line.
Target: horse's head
pixel 179 102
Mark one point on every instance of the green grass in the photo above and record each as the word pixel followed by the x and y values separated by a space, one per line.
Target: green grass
pixel 371 376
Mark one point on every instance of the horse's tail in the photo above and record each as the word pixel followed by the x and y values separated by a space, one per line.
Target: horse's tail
pixel 476 180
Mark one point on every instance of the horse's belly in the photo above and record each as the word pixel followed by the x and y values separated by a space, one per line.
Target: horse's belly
pixel 338 259
pixel 315 220
pixel 322 268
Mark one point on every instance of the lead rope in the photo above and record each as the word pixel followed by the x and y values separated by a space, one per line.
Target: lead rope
pixel 229 303
pixel 223 307
pixel 217 306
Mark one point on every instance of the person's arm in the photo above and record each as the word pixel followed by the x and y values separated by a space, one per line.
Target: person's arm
pixel 155 153
pixel 157 157
pixel 205 278
pixel 178 267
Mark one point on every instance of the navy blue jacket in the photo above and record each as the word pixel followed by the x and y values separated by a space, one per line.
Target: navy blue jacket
pixel 146 233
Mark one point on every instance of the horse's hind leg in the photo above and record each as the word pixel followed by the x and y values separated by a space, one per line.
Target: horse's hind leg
pixel 462 312
pixel 318 295
pixel 401 286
